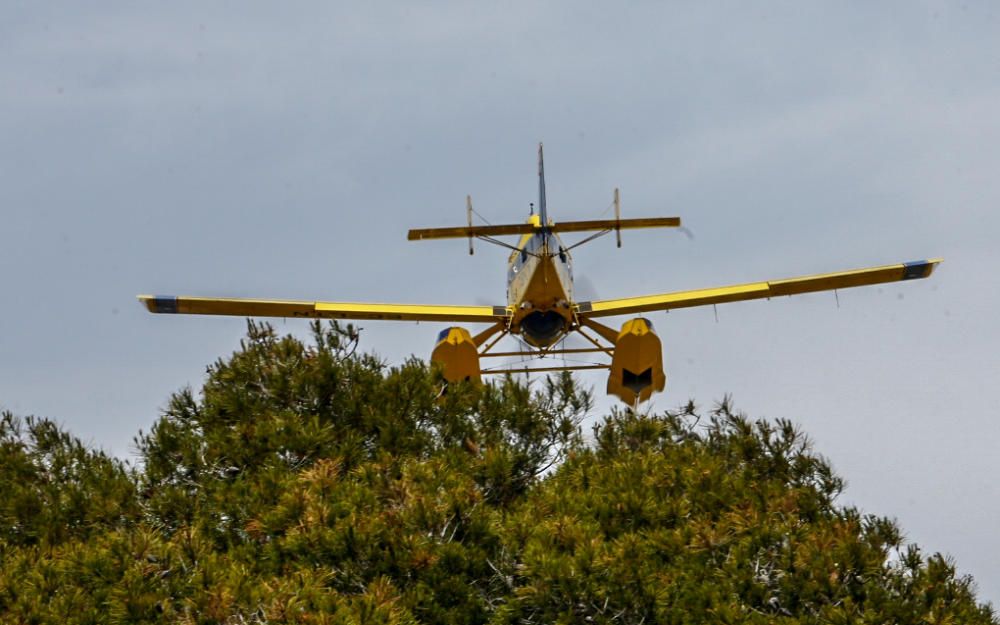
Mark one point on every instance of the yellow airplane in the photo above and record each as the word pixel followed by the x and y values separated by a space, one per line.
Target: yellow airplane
pixel 541 309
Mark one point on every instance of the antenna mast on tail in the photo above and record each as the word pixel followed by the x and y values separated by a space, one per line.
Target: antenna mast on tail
pixel 618 218
pixel 468 212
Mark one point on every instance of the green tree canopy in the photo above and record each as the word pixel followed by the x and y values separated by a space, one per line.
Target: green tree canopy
pixel 306 483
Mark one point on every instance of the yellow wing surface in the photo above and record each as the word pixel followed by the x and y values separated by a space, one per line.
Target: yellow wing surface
pixel 528 228
pixel 757 290
pixel 319 310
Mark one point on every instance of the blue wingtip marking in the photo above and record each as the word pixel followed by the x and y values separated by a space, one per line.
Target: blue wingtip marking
pixel 915 269
pixel 165 303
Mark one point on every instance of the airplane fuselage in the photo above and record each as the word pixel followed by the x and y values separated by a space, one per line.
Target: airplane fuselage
pixel 540 287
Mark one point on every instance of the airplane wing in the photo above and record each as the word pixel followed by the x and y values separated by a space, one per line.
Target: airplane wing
pixel 319 310
pixel 757 290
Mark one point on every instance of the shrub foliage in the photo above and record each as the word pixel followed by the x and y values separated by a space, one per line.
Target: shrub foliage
pixel 305 483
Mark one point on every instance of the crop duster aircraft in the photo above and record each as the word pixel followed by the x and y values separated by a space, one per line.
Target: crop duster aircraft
pixel 541 308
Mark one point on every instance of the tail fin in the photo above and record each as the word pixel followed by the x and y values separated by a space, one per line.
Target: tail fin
pixel 541 191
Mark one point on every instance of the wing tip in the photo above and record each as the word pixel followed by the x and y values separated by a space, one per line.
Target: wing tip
pixel 159 303
pixel 917 269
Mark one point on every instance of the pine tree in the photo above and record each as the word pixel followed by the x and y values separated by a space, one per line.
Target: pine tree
pixel 307 483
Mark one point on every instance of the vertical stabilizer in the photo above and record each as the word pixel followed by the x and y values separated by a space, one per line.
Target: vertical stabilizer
pixel 541 190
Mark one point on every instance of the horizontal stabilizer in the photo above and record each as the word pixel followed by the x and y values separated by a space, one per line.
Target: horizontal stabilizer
pixel 529 228
pixel 469 231
pixel 617 224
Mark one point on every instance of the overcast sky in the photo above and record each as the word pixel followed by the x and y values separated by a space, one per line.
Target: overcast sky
pixel 282 151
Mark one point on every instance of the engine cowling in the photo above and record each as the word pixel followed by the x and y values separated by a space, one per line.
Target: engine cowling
pixel 457 354
pixel 637 364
